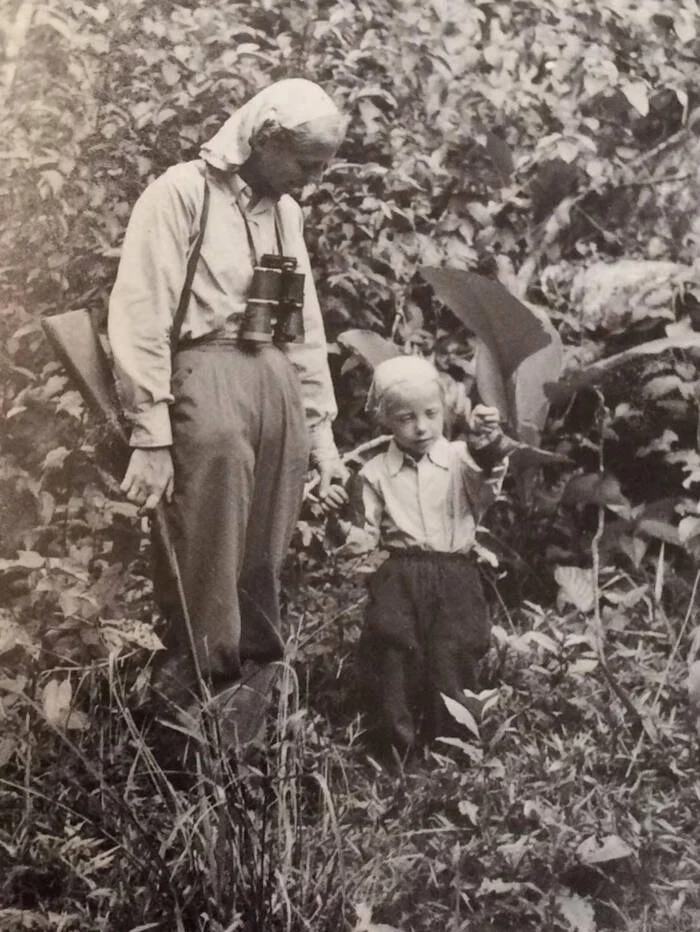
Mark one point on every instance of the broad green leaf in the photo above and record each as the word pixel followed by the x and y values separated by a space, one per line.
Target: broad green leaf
pixel 77 721
pixel 576 586
pixel 507 326
pixel 494 390
pixel 637 94
pixel 470 810
pixel 56 701
pixel 667 441
pixel 688 528
pixel 54 180
pixel 594 489
pixel 130 631
pixel 487 698
pixel 577 911
pixel 72 403
pixel 55 459
pixel 543 640
pixel 660 530
pixel 593 850
pixel 8 746
pixel 461 714
pixel 662 385
pixel 14 635
pixel 25 559
pixel 685 28
pixel 365 924
pixel 170 72
pixel 371 346
pixel 530 378
pixel 501 155
pixel 47 507
pixel 583 666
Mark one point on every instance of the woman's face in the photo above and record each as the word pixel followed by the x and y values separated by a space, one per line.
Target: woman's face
pixel 279 165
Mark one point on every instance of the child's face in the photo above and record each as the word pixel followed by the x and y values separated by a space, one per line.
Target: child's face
pixel 415 416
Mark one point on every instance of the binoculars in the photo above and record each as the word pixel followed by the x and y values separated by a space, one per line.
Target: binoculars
pixel 274 311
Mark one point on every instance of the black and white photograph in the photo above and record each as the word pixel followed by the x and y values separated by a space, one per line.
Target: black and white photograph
pixel 349 466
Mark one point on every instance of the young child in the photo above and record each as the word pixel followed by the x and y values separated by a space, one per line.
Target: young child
pixel 426 623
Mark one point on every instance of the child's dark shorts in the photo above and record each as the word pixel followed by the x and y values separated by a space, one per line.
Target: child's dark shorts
pixel 426 628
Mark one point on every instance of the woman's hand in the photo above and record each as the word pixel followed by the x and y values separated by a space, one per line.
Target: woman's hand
pixel 149 477
pixel 333 474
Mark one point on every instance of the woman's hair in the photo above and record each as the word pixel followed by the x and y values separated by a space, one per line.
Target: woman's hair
pixel 325 132
pixel 293 106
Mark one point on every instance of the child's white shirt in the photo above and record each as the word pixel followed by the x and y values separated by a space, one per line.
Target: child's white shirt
pixel 431 503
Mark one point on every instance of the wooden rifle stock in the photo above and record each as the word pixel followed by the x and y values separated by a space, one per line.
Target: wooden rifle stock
pixel 77 345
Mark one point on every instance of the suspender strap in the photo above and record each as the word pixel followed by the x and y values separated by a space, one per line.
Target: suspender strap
pixel 191 266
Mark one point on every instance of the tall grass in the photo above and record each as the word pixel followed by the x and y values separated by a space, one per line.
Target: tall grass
pixel 136 823
pixel 145 823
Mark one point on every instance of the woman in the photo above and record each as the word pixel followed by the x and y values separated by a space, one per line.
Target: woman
pixel 222 430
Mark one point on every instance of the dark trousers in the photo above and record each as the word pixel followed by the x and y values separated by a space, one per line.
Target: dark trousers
pixel 426 627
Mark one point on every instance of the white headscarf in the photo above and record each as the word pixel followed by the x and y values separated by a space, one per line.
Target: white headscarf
pixel 290 103
pixel 398 372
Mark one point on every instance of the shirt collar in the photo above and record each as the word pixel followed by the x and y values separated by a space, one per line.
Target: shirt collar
pixel 243 195
pixel 438 455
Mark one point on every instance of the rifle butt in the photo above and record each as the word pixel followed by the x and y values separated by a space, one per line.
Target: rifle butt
pixel 76 343
pixel 74 338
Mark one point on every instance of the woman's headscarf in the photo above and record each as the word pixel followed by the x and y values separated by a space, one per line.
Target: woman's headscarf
pixel 397 373
pixel 291 103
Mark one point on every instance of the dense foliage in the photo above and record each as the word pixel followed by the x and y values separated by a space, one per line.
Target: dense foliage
pixel 552 144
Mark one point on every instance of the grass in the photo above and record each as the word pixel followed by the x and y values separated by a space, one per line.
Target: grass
pixel 561 814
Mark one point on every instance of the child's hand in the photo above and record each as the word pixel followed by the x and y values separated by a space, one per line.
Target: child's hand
pixel 485 421
pixel 336 532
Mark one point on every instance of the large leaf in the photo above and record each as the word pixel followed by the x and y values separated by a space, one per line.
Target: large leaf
pixel 595 488
pixel 522 398
pixel 594 374
pixel 365 923
pixel 577 911
pixel 57 700
pixel 576 586
pixel 495 388
pixel 501 156
pixel 518 349
pixel 595 850
pixel 371 346
pixel 461 714
pixel 530 378
pixel 13 635
pixel 508 327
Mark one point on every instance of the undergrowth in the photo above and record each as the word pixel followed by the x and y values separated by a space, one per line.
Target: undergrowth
pixel 552 812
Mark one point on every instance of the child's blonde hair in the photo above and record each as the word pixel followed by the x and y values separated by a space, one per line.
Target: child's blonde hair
pixel 394 377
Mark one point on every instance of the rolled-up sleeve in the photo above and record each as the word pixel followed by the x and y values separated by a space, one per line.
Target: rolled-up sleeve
pixel 143 303
pixel 310 359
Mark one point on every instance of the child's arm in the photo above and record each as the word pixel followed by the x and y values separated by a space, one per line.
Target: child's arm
pixel 350 538
pixel 485 423
pixel 485 440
